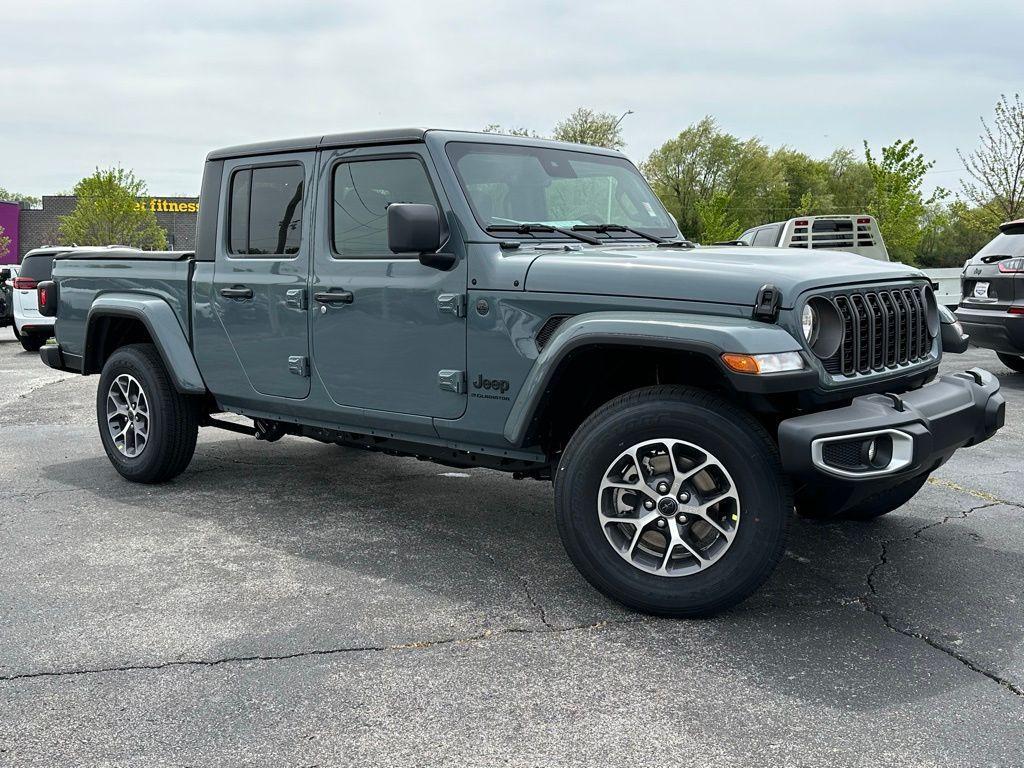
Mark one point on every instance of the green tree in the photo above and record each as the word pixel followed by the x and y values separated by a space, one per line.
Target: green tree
pixel 521 132
pixel 716 222
pixel 17 197
pixel 585 126
pixel 952 234
pixel 108 212
pixel 897 203
pixel 690 168
pixel 996 167
pixel 5 244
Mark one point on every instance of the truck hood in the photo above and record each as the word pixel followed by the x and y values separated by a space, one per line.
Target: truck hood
pixel 714 274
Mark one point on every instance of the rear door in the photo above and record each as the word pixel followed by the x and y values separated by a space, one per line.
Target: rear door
pixel 260 290
pixel 393 337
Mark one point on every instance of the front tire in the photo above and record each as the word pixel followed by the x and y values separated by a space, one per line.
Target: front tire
pixel 148 428
pixel 721 503
pixel 1013 362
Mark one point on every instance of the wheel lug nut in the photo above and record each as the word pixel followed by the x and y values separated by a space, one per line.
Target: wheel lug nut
pixel 661 522
pixel 681 518
pixel 662 487
pixel 684 496
pixel 648 504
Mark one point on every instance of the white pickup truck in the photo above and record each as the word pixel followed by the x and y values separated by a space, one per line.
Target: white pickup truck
pixel 857 233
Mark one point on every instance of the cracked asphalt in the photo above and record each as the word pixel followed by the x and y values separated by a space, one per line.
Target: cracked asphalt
pixel 300 604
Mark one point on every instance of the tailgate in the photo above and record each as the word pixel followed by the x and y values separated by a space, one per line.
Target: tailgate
pixel 986 287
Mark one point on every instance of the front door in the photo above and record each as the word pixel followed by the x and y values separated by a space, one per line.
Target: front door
pixel 262 270
pixel 389 334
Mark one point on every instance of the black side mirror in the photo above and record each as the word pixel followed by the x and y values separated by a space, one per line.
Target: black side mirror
pixel 416 228
pixel 5 274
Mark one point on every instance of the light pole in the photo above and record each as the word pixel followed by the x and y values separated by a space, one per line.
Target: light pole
pixel 622 117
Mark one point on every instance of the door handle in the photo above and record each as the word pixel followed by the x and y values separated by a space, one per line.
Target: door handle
pixel 334 297
pixel 238 292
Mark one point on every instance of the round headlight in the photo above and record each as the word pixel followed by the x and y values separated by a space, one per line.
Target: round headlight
pixel 809 324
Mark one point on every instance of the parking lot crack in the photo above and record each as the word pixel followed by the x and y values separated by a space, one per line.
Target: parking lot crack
pixel 867 601
pixel 486 635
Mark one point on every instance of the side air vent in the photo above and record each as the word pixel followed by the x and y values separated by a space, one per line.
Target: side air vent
pixel 547 330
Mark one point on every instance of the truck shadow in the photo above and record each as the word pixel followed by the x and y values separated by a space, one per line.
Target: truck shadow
pixel 483 545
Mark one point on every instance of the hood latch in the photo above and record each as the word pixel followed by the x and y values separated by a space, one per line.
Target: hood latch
pixel 766 307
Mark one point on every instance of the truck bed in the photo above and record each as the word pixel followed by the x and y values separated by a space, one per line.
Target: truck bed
pixel 84 276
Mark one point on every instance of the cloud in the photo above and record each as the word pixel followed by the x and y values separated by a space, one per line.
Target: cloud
pixel 154 86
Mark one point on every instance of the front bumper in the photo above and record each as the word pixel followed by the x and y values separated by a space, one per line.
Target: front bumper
pixel 993 329
pixel 917 432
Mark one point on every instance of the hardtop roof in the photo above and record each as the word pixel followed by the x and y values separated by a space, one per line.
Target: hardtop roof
pixel 389 136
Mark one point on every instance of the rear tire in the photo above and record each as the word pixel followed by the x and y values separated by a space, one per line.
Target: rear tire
pixel 165 439
pixel 685 420
pixel 886 501
pixel 1013 362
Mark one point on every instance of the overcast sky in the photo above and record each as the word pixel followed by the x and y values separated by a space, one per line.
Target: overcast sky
pixel 154 86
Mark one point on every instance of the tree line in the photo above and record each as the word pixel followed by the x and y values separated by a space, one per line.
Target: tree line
pixel 717 185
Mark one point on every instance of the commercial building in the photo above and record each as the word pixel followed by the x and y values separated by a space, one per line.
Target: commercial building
pixel 30 228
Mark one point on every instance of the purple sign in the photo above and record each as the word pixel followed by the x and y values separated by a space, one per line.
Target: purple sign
pixel 9 222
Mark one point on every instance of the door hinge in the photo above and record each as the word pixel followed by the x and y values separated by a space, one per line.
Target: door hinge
pixel 295 298
pixel 452 381
pixel 454 303
pixel 299 365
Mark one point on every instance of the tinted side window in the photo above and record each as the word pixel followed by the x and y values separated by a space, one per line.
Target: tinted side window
pixel 266 211
pixel 361 194
pixel 238 218
pixel 766 236
pixel 37 267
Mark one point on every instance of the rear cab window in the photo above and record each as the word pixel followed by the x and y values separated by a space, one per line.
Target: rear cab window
pixel 766 237
pixel 265 212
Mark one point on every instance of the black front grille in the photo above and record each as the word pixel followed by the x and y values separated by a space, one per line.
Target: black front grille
pixel 882 329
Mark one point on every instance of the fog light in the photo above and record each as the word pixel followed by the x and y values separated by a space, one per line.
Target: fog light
pixel 876 452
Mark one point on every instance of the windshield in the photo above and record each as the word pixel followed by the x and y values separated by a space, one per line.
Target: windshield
pixel 508 184
pixel 1003 245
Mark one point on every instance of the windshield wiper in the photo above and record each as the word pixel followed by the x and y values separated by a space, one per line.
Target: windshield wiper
pixel 527 229
pixel 602 229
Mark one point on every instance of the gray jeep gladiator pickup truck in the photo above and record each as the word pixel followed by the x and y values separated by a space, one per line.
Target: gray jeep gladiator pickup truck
pixel 527 306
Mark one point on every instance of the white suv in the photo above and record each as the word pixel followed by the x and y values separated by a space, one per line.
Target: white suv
pixel 31 328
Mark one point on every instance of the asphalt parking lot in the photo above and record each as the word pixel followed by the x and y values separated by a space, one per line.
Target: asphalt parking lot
pixel 302 604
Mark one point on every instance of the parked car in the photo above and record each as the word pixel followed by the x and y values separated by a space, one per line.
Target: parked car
pixel 992 308
pixel 32 328
pixel 6 296
pixel 852 233
pixel 857 233
pixel 528 306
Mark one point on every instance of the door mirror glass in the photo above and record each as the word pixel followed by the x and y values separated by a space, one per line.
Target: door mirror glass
pixel 414 228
